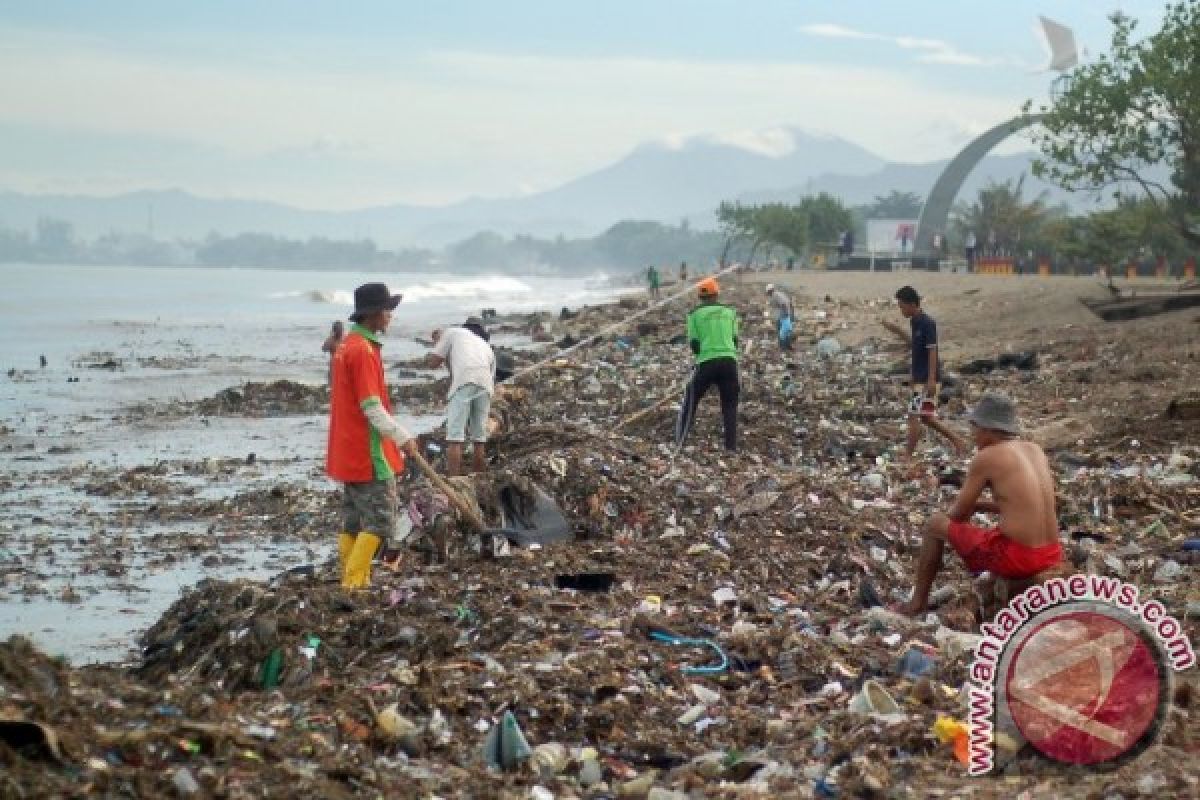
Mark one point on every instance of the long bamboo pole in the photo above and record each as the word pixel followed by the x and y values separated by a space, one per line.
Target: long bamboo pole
pixel 632 418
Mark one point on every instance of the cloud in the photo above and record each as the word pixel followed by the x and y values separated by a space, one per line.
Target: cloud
pixel 436 126
pixel 674 140
pixel 774 142
pixel 929 51
pixel 832 31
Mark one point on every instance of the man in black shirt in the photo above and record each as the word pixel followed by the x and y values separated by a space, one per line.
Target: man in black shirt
pixel 924 372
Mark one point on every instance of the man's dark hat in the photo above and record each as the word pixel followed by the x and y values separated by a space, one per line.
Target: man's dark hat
pixel 475 324
pixel 372 297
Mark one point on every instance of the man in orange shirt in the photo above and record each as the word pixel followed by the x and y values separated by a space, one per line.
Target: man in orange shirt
pixel 364 438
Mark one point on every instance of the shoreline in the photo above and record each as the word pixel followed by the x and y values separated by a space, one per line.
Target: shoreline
pixel 783 525
pixel 93 551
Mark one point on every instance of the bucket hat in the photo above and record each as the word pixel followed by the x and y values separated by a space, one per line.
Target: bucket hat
pixel 372 297
pixel 476 326
pixel 996 412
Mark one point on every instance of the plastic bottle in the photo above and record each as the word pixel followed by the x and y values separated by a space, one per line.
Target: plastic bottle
pixel 272 668
pixel 184 783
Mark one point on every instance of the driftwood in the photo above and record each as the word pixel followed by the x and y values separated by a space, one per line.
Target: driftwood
pixel 1184 407
pixel 1142 305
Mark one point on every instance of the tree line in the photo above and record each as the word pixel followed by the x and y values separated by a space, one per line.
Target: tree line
pixel 743 234
pixel 627 245
pixel 55 241
pixel 1004 221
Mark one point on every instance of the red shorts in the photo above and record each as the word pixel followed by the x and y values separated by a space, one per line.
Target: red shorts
pixel 922 405
pixel 991 551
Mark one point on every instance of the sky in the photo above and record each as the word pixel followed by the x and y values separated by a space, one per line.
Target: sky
pixel 347 105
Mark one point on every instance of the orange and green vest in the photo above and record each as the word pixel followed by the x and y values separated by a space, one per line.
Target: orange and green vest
pixel 356 452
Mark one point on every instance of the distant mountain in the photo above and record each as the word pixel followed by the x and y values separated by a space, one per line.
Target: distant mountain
pixel 658 182
pixel 655 181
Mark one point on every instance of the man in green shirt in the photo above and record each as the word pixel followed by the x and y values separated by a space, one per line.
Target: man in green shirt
pixel 712 331
pixel 654 282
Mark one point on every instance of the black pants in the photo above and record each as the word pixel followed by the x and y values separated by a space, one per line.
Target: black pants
pixel 723 372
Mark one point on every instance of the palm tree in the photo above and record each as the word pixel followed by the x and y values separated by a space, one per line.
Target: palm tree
pixel 1004 223
pixel 895 205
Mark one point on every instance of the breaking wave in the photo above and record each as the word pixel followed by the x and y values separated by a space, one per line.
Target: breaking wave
pixel 485 286
pixel 495 288
pixel 339 297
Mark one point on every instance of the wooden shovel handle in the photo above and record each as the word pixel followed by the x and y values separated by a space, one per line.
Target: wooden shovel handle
pixel 456 499
pixel 632 418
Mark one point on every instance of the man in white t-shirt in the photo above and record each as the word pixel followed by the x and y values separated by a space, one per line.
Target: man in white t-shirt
pixel 466 353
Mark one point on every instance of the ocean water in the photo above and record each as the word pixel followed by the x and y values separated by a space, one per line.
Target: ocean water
pixel 176 334
pixel 211 326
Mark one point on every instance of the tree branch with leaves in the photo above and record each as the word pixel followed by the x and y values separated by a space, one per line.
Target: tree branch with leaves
pixel 1112 122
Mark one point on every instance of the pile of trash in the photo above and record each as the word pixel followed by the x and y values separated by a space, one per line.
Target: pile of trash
pixel 253 399
pixel 711 624
pixel 272 399
pixel 424 397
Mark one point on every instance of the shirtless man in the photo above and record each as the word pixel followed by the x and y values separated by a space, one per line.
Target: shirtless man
pixel 1026 541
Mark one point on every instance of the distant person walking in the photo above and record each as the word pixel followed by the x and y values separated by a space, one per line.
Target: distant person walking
pixel 923 372
pixel 712 332
pixel 653 283
pixel 364 438
pixel 683 272
pixel 784 314
pixel 969 249
pixel 845 244
pixel 472 363
pixel 331 345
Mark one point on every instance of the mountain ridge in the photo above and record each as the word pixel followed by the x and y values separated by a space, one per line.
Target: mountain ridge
pixel 655 181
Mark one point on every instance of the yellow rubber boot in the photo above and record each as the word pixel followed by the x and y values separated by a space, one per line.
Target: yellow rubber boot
pixel 345 547
pixel 358 565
